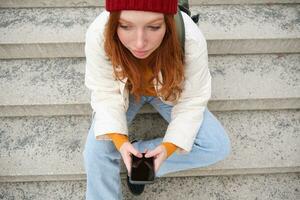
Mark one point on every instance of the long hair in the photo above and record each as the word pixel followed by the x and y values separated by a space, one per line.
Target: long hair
pixel 167 58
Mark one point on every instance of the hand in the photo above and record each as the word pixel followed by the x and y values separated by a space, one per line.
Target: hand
pixel 159 154
pixel 126 150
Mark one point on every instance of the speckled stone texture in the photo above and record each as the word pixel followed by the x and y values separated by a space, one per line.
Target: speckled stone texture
pixel 255 76
pixel 255 97
pixel 251 187
pixel 53 146
pixel 43 81
pixel 57 32
pixel 249 21
pixel 61 81
pixel 46 25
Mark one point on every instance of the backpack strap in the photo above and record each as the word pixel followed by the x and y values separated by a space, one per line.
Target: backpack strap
pixel 184 6
pixel 180 28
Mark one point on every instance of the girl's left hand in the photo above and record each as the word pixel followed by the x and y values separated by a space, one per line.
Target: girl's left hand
pixel 159 154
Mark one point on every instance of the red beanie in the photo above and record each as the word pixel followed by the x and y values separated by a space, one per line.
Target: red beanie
pixel 163 6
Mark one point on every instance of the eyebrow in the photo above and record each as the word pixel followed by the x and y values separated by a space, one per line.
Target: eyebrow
pixel 147 23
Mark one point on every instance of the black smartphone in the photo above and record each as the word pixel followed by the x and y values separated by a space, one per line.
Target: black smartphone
pixel 142 170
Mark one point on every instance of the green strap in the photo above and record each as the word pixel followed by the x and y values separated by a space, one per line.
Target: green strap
pixel 180 28
pixel 184 6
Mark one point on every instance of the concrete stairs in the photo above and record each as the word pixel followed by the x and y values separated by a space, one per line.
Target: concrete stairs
pixel 254 60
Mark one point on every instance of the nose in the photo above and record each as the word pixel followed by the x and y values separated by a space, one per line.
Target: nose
pixel 140 42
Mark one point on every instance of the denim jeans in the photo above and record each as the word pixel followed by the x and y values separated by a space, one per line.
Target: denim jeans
pixel 102 159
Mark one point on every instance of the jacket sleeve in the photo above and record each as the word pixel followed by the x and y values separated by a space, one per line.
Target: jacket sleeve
pixel 187 113
pixel 106 99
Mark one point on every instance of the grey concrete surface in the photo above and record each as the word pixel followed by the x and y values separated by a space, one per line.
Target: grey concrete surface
pixel 237 29
pixel 40 155
pixel 43 81
pixel 255 76
pixel 88 3
pixel 56 86
pixel 259 187
pixel 213 105
pixel 37 146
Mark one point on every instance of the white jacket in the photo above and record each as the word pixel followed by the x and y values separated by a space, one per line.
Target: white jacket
pixel 109 97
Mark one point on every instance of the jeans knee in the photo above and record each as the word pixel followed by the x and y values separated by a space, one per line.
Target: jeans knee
pixel 98 151
pixel 224 145
pixel 219 146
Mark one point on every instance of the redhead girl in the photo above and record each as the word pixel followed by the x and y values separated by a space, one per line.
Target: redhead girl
pixel 133 57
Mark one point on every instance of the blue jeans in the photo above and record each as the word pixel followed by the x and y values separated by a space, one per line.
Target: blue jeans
pixel 102 159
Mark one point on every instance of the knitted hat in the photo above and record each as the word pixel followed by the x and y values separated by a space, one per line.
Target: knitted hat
pixel 162 6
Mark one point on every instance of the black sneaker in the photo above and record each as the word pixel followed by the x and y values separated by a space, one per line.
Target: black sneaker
pixel 135 189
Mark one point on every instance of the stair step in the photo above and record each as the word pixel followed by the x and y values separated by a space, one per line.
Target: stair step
pixel 89 3
pixel 31 87
pixel 50 148
pixel 247 187
pixel 229 29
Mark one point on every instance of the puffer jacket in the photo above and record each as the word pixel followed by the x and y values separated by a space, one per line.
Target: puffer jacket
pixel 110 98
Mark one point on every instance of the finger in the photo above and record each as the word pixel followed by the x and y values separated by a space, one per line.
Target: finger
pixel 127 162
pixel 135 152
pixel 156 165
pixel 158 162
pixel 152 153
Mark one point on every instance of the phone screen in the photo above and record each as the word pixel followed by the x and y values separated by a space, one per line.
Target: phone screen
pixel 142 169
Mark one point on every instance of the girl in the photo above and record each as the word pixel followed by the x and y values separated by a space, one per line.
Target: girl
pixel 133 57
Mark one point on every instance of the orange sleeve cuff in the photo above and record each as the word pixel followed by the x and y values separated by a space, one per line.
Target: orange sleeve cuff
pixel 171 148
pixel 118 139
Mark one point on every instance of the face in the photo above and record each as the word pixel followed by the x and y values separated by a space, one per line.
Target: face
pixel 141 32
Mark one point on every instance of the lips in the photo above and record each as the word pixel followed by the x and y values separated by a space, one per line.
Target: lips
pixel 140 53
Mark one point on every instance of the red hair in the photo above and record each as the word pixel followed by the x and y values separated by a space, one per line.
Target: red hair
pixel 167 58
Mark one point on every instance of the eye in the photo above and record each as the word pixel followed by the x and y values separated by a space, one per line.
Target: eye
pixel 154 28
pixel 125 27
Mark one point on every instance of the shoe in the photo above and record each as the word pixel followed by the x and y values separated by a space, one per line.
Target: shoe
pixel 135 189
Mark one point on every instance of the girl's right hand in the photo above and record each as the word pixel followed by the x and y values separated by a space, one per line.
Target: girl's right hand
pixel 126 150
